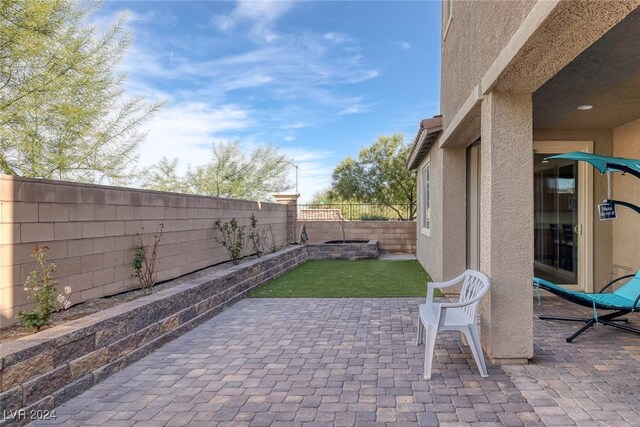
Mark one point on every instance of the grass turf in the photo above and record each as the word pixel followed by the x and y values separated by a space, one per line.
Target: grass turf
pixel 348 279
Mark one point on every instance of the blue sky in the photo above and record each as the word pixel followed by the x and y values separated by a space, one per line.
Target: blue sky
pixel 318 79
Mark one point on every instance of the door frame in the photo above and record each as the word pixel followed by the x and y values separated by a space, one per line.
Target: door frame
pixel 585 207
pixel 473 205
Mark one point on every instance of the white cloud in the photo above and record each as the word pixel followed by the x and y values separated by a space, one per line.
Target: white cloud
pixel 363 75
pixel 187 130
pixel 223 22
pixel 250 79
pixel 355 109
pixel 337 38
pixel 314 168
pixel 299 77
pixel 295 125
pixel 260 15
pixel 262 10
pixel 404 45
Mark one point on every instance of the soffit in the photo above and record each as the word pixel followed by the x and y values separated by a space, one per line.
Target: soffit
pixel 606 75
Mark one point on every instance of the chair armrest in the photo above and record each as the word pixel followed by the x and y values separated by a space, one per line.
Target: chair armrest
pixel 628 276
pixel 455 281
pixel 460 304
pixel 440 285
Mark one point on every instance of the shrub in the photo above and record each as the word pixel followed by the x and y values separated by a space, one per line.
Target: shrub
pixel 144 260
pixel 231 238
pixel 257 236
pixel 43 289
pixel 373 217
pixel 274 245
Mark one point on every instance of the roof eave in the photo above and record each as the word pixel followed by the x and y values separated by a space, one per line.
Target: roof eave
pixel 424 140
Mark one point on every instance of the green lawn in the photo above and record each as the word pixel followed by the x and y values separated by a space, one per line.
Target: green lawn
pixel 348 279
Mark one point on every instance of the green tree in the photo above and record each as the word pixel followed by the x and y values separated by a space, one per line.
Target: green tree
pixel 231 173
pixel 62 110
pixel 163 176
pixel 328 196
pixel 379 175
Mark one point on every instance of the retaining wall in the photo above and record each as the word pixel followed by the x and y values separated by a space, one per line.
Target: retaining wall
pixel 45 369
pixel 392 236
pixel 90 231
pixel 364 250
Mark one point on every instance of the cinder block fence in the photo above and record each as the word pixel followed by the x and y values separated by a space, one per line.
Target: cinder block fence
pixel 392 236
pixel 90 231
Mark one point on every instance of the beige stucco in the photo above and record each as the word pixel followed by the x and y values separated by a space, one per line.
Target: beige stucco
pixel 549 38
pixel 626 143
pixel 477 34
pixel 429 245
pixel 506 228
pixel 441 251
pixel 512 46
pixel 495 54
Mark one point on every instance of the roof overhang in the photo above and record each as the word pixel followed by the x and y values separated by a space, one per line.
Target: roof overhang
pixel 426 136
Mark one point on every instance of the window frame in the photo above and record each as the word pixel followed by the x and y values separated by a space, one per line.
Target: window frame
pixel 425 211
pixel 447 17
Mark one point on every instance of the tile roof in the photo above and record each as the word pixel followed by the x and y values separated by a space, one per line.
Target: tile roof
pixel 427 133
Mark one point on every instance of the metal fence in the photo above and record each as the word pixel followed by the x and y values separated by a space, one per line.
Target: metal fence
pixel 355 212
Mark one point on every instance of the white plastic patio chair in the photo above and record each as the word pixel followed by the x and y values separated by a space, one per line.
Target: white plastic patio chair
pixel 454 316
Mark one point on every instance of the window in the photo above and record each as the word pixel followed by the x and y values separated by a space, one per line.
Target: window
pixel 447 15
pixel 426 195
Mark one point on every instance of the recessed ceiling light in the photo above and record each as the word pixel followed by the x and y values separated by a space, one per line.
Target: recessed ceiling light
pixel 585 107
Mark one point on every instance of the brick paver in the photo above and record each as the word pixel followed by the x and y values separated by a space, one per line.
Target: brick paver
pixel 348 362
pixel 595 380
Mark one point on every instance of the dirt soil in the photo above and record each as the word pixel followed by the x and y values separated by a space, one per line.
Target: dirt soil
pixel 82 309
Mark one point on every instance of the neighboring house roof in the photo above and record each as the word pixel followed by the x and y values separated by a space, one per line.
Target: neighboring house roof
pixel 427 134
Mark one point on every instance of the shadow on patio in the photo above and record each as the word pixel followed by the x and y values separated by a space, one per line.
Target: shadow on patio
pixel 354 361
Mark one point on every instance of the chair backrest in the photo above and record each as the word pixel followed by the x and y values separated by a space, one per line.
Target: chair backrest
pixel 631 289
pixel 475 285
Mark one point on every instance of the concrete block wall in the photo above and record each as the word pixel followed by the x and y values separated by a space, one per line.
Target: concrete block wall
pixel 350 251
pixel 392 236
pixel 90 231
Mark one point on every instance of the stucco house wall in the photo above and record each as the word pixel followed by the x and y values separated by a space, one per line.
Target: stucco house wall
pixel 626 143
pixel 495 55
pixel 441 250
pixel 429 246
pixel 477 33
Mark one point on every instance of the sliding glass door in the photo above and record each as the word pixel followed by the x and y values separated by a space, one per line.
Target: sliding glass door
pixel 562 211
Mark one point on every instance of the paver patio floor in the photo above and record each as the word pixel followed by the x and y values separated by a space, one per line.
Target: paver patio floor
pixel 350 362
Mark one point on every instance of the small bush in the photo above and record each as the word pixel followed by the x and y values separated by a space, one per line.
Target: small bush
pixel 144 260
pixel 257 236
pixel 231 238
pixel 373 217
pixel 274 245
pixel 43 289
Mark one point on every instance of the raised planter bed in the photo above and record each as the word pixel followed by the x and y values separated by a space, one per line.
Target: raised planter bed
pixel 335 242
pixel 43 370
pixel 359 249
